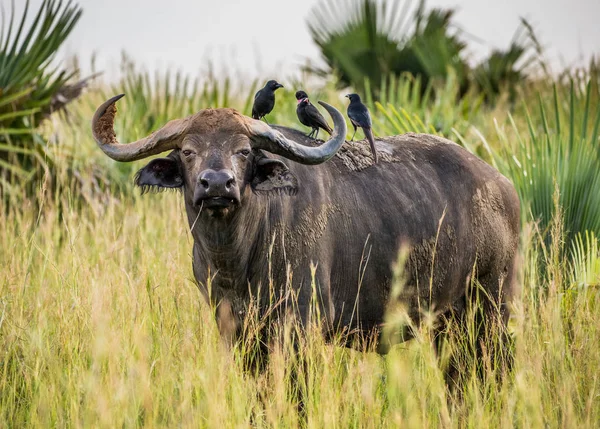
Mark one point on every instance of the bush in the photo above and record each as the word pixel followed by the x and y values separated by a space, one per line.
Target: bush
pixel 373 40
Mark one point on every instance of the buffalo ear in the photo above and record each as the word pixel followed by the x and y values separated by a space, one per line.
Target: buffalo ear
pixel 160 173
pixel 273 175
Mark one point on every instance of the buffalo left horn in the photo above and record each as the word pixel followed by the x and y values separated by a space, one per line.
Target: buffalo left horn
pixel 166 138
pixel 264 137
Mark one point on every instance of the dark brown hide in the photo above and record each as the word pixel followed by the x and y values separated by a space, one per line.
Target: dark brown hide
pixel 348 217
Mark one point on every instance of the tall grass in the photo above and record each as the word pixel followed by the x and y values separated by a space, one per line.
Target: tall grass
pixel 100 326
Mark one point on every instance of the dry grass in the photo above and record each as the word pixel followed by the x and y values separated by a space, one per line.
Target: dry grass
pixel 102 325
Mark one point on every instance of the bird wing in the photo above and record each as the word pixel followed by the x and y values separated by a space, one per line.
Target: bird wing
pixel 302 116
pixel 317 118
pixel 255 113
pixel 359 114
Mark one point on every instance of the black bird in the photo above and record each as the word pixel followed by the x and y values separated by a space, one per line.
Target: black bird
pixel 309 115
pixel 360 117
pixel 264 100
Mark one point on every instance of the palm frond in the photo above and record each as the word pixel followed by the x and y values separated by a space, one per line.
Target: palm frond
pixel 30 87
pixel 560 150
pixel 585 261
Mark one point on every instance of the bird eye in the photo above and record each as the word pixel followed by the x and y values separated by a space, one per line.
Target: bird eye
pixel 187 152
pixel 244 152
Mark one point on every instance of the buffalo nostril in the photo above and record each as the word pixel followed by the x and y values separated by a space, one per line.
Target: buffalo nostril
pixel 204 183
pixel 230 183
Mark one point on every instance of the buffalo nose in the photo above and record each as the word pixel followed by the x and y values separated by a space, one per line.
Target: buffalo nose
pixel 216 183
pixel 221 180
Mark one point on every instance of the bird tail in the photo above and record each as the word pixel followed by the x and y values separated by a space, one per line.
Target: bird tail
pixel 369 135
pixel 329 129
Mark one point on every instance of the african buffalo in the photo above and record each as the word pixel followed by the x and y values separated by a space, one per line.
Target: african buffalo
pixel 263 204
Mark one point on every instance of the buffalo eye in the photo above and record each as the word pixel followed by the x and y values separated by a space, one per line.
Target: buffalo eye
pixel 244 152
pixel 187 152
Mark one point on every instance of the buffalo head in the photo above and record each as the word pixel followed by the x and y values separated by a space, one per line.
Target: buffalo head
pixel 217 154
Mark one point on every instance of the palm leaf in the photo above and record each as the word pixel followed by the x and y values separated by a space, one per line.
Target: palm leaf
pixel 29 88
pixel 554 155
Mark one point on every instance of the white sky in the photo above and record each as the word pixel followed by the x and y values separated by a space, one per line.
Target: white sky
pixel 270 38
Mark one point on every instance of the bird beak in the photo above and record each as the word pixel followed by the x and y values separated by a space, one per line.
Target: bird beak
pixel 279 85
pixel 347 95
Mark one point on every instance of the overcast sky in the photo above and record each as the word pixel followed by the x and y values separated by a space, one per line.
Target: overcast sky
pixel 270 37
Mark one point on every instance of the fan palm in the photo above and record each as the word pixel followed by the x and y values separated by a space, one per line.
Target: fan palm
pixel 31 87
pixel 369 39
pixel 378 40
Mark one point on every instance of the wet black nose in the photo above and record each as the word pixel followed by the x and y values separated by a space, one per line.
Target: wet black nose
pixel 216 184
pixel 217 181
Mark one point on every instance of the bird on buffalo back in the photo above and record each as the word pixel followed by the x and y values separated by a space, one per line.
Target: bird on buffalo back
pixel 360 117
pixel 264 100
pixel 309 115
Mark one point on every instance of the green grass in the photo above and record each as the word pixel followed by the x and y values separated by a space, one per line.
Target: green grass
pixel 101 323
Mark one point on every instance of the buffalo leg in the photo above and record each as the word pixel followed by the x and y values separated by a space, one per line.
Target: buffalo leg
pixel 481 339
pixel 494 339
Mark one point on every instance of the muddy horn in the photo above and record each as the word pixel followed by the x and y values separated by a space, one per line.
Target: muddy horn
pixel 271 140
pixel 166 138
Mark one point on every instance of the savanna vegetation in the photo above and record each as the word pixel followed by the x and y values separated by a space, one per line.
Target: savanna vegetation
pixel 102 325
